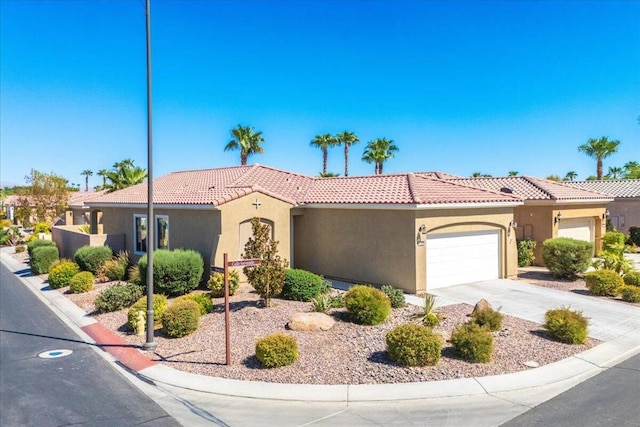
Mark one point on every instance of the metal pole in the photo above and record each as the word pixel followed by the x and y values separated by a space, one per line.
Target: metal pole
pixel 227 331
pixel 150 344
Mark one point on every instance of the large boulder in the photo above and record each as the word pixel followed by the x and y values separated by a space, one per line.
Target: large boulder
pixel 310 322
pixel 483 304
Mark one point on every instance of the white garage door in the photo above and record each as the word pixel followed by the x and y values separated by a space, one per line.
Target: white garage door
pixel 577 228
pixel 457 258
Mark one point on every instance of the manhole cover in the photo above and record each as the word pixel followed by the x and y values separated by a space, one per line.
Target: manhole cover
pixel 54 354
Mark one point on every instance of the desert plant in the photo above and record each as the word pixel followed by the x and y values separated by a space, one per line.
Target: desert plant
pixel 565 257
pixel 413 345
pixel 488 318
pixel 116 268
pixel 632 278
pixel 612 255
pixel 526 252
pixel 85 228
pixel 61 274
pixel 37 243
pixel 181 318
pixel 159 305
pixel 203 301
pixel 429 316
pixel 630 293
pixel 603 282
pixel 175 272
pixel 134 275
pixel 367 305
pixel 216 283
pixel 91 258
pixel 321 303
pixel 472 342
pixel 302 285
pixel 274 351
pixel 42 258
pixel 395 295
pixel 82 282
pixel 117 297
pixel 566 325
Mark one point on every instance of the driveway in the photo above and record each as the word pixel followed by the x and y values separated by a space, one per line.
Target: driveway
pixel 607 319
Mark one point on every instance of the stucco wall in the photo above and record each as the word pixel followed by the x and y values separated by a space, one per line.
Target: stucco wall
pixel 627 208
pixel 69 239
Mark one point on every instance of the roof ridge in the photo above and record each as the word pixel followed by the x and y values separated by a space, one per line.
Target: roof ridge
pixel 205 169
pixel 532 180
pixel 410 181
pixel 480 188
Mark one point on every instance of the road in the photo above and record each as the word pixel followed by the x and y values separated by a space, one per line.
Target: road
pixel 78 389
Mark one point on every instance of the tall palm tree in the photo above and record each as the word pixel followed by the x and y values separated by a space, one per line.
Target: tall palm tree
pixel 599 149
pixel 123 175
pixel 570 176
pixel 614 172
pixel 346 139
pixel 379 151
pixel 324 142
pixel 245 139
pixel 87 173
pixel 103 174
pixel 632 170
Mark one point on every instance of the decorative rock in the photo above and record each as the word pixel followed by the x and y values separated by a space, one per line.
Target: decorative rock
pixel 483 304
pixel 531 364
pixel 310 322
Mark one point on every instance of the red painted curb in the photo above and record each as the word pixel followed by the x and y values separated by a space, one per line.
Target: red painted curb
pixel 119 348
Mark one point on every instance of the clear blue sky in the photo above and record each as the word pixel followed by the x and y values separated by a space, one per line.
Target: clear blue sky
pixel 459 86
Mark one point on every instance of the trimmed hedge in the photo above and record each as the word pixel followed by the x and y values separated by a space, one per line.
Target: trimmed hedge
pixel 630 293
pixel 413 345
pixel 216 283
pixel 159 305
pixel 81 282
pixel 274 351
pixel 303 285
pixel 175 272
pixel 38 243
pixel 367 305
pixel 632 278
pixel 565 257
pixel 117 297
pixel 203 300
pixel 566 325
pixel 472 342
pixel 92 258
pixel 61 274
pixel 42 258
pixel 488 318
pixel 181 318
pixel 603 282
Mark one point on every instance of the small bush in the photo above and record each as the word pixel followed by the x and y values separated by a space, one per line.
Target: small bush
pixel 61 274
pixel 603 282
pixel 488 318
pixel 302 285
pixel 632 278
pixel 20 249
pixel 38 243
pixel 159 305
pixel 367 305
pixel 321 303
pixel 81 282
pixel 117 297
pixel 630 293
pixel 181 318
pixel 634 235
pixel 566 326
pixel 134 275
pixel 429 316
pixel 203 301
pixel 42 258
pixel 396 296
pixel 116 268
pixel 216 283
pixel 274 351
pixel 472 342
pixel 175 272
pixel 526 252
pixel 91 258
pixel 337 301
pixel 42 227
pixel 565 257
pixel 413 345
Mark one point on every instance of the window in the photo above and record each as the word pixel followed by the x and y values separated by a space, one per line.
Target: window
pixel 140 233
pixel 162 232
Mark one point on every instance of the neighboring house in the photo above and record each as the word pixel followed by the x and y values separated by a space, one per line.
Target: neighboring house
pixel 551 209
pixel 77 212
pixel 624 211
pixel 411 231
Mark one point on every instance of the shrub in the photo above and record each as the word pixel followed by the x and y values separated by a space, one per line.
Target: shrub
pixel 302 285
pixel 20 249
pixel 566 326
pixel 42 227
pixel 634 235
pixel 395 295
pixel 42 257
pixel 630 293
pixel 37 243
pixel 488 318
pixel 203 300
pixel 91 258
pixel 632 278
pixel 337 301
pixel 321 303
pixel 61 274
pixel 413 345
pixel 526 252
pixel 429 316
pixel 472 342
pixel 603 282
pixel 181 318
pixel 134 275
pixel 81 282
pixel 565 257
pixel 612 255
pixel 117 297
pixel 159 305
pixel 116 268
pixel 174 272
pixel 367 305
pixel 216 283
pixel 274 351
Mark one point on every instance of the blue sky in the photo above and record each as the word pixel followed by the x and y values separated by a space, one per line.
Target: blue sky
pixel 459 86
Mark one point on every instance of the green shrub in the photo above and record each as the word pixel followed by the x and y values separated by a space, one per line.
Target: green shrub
pixel 159 305
pixel 302 285
pixel 488 318
pixel 337 301
pixel 81 282
pixel 134 275
pixel 565 257
pixel 203 300
pixel 472 342
pixel 174 272
pixel 632 278
pixel 20 249
pixel 274 351
pixel 91 258
pixel 116 268
pixel 429 316
pixel 566 326
pixel 630 293
pixel 216 283
pixel 634 235
pixel 42 258
pixel 61 274
pixel 38 243
pixel 612 240
pixel 395 295
pixel 526 252
pixel 603 282
pixel 367 305
pixel 413 345
pixel 321 303
pixel 42 227
pixel 181 318
pixel 117 297
pixel 612 255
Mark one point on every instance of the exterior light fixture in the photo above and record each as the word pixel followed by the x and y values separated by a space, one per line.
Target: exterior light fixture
pixel 422 230
pixel 513 224
pixel 606 214
pixel 557 218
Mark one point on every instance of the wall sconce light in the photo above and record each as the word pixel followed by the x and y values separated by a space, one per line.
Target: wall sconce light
pixel 422 230
pixel 605 215
pixel 513 224
pixel 558 218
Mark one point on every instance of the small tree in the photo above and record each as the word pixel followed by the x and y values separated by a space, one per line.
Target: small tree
pixel 267 278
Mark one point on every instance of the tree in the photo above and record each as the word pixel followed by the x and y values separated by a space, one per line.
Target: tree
pixel 246 140
pixel 570 176
pixel 346 139
pixel 599 149
pixel 124 174
pixel 324 142
pixel 481 175
pixel 46 197
pixel 632 170
pixel 614 172
pixel 267 278
pixel 103 173
pixel 86 173
pixel 329 175
pixel 554 178
pixel 378 151
pixel 513 173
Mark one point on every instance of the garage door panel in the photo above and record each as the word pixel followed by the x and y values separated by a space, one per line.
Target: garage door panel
pixel 577 228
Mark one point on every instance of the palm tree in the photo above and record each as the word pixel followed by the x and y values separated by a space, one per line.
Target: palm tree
pixel 245 139
pixel 103 174
pixel 87 173
pixel 123 175
pixel 570 176
pixel 513 173
pixel 632 170
pixel 599 149
pixel 379 151
pixel 346 139
pixel 614 172
pixel 126 163
pixel 324 142
pixel 329 175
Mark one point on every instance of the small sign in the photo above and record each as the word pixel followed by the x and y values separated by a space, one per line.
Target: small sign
pixel 215 269
pixel 244 262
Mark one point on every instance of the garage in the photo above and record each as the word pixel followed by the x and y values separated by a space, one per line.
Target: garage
pixel 456 258
pixel 577 228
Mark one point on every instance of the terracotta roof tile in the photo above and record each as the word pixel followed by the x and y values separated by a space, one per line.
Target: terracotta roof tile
pixel 623 188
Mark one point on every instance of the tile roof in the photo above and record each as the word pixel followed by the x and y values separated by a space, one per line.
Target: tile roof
pixel 622 188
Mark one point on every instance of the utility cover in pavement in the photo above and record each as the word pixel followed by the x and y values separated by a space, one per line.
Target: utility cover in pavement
pixel 54 354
